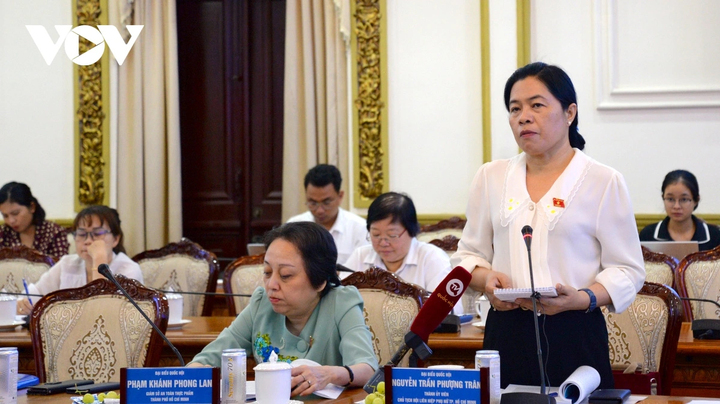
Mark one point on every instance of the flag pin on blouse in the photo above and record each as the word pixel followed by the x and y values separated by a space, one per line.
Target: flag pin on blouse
pixel 558 203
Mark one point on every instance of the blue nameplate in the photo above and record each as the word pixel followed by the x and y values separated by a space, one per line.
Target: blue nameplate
pixel 169 385
pixel 432 386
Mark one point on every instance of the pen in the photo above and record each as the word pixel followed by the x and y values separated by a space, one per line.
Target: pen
pixel 27 292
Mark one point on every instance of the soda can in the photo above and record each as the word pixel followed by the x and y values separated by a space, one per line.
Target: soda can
pixel 8 375
pixel 233 372
pixel 490 360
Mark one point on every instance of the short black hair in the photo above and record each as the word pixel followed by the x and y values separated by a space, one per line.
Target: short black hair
pixel 322 175
pixel 397 206
pixel 317 249
pixel 559 85
pixel 686 178
pixel 17 192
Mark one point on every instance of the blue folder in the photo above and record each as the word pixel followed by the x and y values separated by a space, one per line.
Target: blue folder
pixel 25 381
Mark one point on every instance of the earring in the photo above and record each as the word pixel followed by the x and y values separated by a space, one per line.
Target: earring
pixel 569 123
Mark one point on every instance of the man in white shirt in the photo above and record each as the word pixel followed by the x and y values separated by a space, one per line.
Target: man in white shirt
pixel 323 198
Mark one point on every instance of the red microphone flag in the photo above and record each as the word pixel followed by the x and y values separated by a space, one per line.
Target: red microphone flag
pixel 441 302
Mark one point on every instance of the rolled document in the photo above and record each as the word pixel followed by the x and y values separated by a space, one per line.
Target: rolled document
pixel 583 381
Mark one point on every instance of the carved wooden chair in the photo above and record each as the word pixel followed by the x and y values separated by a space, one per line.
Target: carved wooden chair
pixel 659 268
pixel 20 262
pixel 453 226
pixel 182 267
pixel 699 278
pixel 449 243
pixel 390 307
pixel 92 331
pixel 643 340
pixel 242 276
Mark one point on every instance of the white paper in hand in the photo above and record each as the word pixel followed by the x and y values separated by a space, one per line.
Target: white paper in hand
pixel 330 391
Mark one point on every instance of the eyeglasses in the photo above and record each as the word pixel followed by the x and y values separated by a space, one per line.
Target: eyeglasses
pixel 683 201
pixel 97 233
pixel 388 239
pixel 312 205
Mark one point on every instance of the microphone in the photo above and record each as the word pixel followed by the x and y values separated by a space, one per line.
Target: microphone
pixel 343 268
pixel 431 314
pixel 531 398
pixel 706 328
pixel 22 294
pixel 527 236
pixel 104 270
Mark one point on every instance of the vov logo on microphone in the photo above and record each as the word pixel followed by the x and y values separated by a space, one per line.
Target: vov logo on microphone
pixel 71 38
pixel 454 287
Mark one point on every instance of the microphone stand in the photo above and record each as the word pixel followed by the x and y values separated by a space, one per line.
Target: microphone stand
pixel 179 292
pixel 531 398
pixel 412 341
pixel 104 270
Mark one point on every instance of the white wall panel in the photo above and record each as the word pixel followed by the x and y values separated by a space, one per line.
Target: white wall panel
pixel 503 62
pixel 643 144
pixel 36 106
pixel 662 54
pixel 434 101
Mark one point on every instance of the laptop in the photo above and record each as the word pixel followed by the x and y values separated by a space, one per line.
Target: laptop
pixel 256 248
pixel 677 249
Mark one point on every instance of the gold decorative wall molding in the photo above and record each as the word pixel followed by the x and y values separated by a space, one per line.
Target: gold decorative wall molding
pixel 485 80
pixel 523 32
pixel 92 126
pixel 641 219
pixel 369 94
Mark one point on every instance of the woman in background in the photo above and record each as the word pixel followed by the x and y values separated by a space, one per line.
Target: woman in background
pixel 303 312
pixel 99 240
pixel 25 222
pixel 681 195
pixel 392 226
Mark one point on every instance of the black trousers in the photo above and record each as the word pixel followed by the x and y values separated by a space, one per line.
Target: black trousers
pixel 569 340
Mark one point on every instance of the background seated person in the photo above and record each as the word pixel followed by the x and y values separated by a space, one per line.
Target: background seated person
pixel 25 222
pixel 99 240
pixel 681 195
pixel 392 225
pixel 323 198
pixel 303 312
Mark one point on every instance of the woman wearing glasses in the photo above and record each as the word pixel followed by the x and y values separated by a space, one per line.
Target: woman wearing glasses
pixel 99 240
pixel 392 225
pixel 681 195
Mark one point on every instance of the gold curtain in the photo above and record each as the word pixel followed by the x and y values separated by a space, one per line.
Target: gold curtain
pixel 149 190
pixel 315 98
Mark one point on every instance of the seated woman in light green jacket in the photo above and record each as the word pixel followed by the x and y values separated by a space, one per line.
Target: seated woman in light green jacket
pixel 302 312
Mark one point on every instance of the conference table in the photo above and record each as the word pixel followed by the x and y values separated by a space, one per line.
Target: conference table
pixel 697 364
pixel 349 396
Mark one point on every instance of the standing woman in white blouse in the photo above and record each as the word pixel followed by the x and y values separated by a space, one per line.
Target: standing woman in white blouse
pixel 585 239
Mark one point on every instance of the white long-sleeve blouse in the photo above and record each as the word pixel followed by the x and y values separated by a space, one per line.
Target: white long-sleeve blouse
pixel 584 228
